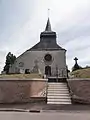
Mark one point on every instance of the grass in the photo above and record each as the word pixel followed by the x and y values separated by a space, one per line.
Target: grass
pixel 82 73
pixel 33 75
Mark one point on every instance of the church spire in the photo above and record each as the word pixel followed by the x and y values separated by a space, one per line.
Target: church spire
pixel 48 26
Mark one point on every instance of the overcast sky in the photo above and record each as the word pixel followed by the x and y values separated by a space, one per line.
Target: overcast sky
pixel 21 22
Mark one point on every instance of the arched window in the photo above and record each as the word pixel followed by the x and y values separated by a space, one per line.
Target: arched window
pixel 48 57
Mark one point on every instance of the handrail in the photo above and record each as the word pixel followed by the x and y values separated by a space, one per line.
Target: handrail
pixel 46 90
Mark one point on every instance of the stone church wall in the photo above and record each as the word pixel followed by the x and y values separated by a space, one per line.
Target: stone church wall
pixel 30 59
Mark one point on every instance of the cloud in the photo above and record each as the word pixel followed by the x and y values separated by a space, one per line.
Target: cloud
pixel 15 16
pixel 23 20
pixel 2 58
pixel 74 35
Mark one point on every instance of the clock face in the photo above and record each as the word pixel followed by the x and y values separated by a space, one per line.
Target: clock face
pixel 48 57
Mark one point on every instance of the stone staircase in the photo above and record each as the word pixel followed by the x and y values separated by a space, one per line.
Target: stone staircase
pixel 58 93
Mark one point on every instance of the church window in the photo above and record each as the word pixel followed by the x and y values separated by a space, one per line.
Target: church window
pixel 48 57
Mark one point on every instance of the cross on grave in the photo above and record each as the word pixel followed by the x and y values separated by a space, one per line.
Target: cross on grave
pixel 76 59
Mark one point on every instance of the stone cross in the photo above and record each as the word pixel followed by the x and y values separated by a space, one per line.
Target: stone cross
pixel 76 59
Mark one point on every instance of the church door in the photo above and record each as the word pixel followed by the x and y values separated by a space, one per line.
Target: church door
pixel 48 70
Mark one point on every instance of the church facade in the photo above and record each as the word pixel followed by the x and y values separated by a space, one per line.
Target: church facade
pixel 46 57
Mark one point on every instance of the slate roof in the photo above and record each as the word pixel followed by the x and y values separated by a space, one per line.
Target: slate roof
pixel 47 40
pixel 45 46
pixel 48 26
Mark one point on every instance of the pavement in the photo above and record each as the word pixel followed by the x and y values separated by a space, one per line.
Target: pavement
pixel 44 112
pixel 45 116
pixel 43 107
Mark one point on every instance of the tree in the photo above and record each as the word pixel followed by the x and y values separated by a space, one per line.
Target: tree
pixel 10 58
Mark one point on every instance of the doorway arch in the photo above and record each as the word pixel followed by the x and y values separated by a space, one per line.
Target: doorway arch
pixel 48 70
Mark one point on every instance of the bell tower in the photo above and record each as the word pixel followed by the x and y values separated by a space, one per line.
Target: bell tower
pixel 48 36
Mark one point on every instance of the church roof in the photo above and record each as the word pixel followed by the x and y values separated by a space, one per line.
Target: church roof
pixel 43 46
pixel 47 40
pixel 48 26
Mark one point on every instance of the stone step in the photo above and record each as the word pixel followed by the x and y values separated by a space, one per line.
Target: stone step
pixel 49 102
pixel 57 93
pixel 58 97
pixel 57 84
pixel 60 83
pixel 60 89
pixel 54 83
pixel 60 92
pixel 49 88
pixel 59 100
pixel 57 87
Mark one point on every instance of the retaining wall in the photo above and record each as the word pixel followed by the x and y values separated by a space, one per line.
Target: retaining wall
pixel 19 91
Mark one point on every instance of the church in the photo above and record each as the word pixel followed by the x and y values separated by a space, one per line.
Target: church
pixel 46 57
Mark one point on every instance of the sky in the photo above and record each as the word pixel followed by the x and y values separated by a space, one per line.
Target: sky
pixel 21 22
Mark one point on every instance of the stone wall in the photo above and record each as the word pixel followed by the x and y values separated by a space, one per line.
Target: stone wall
pixel 29 57
pixel 18 91
pixel 80 90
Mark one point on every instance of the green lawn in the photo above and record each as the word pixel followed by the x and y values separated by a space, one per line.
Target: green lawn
pixel 82 73
pixel 34 75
